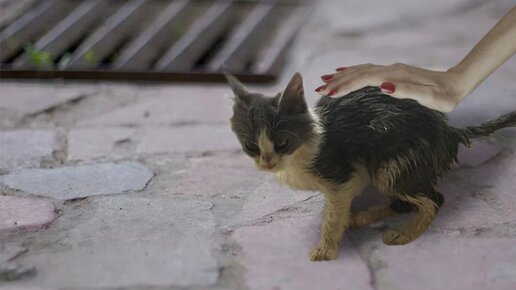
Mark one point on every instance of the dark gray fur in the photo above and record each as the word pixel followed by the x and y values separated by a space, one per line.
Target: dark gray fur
pixel 364 127
pixel 252 112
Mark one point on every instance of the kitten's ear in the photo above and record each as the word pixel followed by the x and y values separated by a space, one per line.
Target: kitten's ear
pixel 238 89
pixel 292 101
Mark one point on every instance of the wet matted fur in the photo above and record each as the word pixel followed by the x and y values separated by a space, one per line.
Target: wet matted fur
pixel 344 144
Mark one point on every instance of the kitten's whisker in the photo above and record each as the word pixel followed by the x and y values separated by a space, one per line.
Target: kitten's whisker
pixel 280 121
pixel 291 133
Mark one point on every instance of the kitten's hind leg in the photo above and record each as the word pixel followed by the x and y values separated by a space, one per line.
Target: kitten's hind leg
pixel 371 215
pixel 379 212
pixel 427 208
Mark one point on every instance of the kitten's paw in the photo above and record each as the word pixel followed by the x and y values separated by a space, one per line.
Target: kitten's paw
pixel 320 253
pixel 357 220
pixel 396 237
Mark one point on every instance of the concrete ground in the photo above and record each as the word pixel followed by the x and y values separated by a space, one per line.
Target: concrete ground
pixel 143 186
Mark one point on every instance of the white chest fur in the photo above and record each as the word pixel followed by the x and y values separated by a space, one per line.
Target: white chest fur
pixel 296 174
pixel 297 179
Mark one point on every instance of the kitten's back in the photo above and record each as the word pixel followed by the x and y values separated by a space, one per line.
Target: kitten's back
pixel 370 128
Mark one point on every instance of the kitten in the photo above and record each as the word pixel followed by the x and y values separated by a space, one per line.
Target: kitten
pixel 345 144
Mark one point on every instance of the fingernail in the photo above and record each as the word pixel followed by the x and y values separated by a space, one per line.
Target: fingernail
pixel 332 92
pixel 321 88
pixel 388 88
pixel 340 68
pixel 326 77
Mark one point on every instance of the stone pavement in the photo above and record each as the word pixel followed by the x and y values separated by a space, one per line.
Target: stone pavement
pixel 143 186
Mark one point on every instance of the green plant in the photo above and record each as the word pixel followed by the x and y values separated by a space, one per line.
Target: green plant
pixel 38 57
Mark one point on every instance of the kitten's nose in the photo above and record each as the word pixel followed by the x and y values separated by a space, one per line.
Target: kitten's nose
pixel 267 157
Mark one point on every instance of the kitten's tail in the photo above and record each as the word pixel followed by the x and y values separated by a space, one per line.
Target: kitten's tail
pixel 489 127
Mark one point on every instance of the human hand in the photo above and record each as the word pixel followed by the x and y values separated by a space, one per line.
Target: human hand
pixel 437 90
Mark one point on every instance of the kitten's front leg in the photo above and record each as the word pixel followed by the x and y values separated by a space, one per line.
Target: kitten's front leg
pixel 335 222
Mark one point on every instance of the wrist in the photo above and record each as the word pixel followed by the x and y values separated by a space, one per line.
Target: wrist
pixel 461 84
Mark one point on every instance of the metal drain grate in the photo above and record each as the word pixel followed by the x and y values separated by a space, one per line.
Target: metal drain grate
pixel 179 40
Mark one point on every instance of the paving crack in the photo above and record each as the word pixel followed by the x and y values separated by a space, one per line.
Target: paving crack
pixel 60 154
pixel 60 107
pixel 370 267
pixel 231 272
pixel 296 209
pixel 501 230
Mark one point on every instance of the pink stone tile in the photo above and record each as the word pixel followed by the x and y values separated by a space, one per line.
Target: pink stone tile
pixel 19 147
pixel 505 187
pixel 477 109
pixel 268 198
pixel 497 180
pixel 10 251
pixel 358 17
pixel 462 209
pixel 435 262
pixel 180 104
pixel 13 287
pixel 188 138
pixel 275 256
pixel 91 143
pixel 31 98
pixel 24 214
pixel 225 174
pixel 480 152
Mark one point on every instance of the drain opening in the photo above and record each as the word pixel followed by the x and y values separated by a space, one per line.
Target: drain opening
pixel 201 63
pixel 205 64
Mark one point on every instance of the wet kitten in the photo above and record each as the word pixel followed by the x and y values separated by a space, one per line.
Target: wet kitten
pixel 345 144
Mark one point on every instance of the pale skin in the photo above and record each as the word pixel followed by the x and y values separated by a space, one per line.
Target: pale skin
pixel 438 90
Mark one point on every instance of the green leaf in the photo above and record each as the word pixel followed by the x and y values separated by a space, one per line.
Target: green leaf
pixel 89 56
pixel 38 58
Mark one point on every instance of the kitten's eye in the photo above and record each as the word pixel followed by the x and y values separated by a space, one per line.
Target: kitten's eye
pixel 251 147
pixel 281 145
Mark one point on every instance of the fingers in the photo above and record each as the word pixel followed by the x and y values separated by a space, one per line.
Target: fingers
pixel 348 79
pixel 353 83
pixel 345 84
pixel 387 88
pixel 359 76
pixel 343 71
pixel 432 89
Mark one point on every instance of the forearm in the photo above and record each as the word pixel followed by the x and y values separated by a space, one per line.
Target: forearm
pixel 497 46
pixel 441 91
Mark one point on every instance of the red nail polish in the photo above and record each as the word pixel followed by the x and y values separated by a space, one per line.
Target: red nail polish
pixel 321 88
pixel 332 92
pixel 388 88
pixel 340 69
pixel 326 77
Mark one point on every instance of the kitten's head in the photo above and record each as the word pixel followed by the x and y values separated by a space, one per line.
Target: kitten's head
pixel 271 128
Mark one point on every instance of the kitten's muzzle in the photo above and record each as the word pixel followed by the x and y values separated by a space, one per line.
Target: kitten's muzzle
pixel 267 157
pixel 268 161
pixel 269 166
